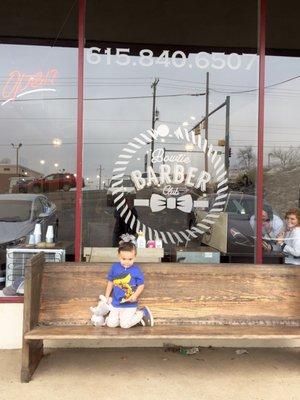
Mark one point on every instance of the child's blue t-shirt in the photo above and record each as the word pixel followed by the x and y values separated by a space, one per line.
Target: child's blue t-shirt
pixel 125 281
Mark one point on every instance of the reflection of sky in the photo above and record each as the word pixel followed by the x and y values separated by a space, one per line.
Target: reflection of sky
pixel 108 124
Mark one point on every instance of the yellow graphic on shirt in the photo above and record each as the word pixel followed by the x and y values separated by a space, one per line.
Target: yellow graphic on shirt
pixel 123 283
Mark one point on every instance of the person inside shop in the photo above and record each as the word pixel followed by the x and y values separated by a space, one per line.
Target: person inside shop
pixel 272 226
pixel 289 239
pixel 246 180
pixel 121 227
pixel 125 281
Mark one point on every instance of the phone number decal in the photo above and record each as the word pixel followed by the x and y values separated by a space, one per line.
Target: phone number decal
pixel 177 59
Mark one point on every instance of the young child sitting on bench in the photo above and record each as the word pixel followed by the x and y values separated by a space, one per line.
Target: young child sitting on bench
pixel 126 283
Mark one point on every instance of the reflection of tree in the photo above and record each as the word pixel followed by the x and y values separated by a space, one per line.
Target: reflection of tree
pixel 246 158
pixel 5 161
pixel 288 157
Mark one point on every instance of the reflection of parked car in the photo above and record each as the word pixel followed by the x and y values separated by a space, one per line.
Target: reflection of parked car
pixel 16 181
pixel 49 183
pixel 232 233
pixel 127 187
pixel 18 215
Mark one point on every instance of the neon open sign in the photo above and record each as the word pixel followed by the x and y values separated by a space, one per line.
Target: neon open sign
pixel 18 84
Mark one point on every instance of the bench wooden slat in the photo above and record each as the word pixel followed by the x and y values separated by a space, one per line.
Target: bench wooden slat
pixel 32 352
pixel 164 332
pixel 177 294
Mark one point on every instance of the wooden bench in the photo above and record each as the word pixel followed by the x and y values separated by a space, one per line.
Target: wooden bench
pixel 188 302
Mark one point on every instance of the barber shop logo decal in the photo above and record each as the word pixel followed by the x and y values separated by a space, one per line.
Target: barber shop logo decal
pixel 166 172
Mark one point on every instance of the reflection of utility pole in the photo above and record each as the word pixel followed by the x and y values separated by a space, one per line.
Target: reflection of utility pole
pixel 227 123
pixel 206 119
pixel 100 176
pixel 153 86
pixel 17 146
pixel 145 161
pixel 227 126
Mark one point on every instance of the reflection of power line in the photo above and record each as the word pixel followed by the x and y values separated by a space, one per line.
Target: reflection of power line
pixel 236 141
pixel 266 87
pixel 214 126
pixel 242 91
pixel 267 140
pixel 146 80
pixel 74 119
pixel 242 145
pixel 68 84
pixel 110 98
pixel 65 144
pixel 288 146
pixel 275 93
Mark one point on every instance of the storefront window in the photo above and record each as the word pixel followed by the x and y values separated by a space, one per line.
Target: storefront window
pixel 170 149
pixel 282 149
pixel 37 157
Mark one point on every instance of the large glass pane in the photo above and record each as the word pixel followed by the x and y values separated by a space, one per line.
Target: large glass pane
pixel 282 156
pixel 37 156
pixel 170 149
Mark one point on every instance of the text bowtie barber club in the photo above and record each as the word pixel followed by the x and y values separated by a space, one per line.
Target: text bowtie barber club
pixel 177 173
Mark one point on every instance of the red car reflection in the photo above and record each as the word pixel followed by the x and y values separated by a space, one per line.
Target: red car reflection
pixel 50 183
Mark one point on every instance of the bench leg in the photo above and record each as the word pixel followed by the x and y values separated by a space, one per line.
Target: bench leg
pixel 32 352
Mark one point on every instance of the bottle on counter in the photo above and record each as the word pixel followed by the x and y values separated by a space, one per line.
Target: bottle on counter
pixel 158 243
pixel 141 241
pixel 151 244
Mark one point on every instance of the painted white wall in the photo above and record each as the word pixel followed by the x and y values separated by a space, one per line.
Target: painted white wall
pixel 11 325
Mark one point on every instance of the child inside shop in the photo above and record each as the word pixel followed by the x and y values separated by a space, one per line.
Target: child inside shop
pixel 125 284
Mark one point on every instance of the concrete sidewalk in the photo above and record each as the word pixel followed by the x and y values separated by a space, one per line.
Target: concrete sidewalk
pixel 130 374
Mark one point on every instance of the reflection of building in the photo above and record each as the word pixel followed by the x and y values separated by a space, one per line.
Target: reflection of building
pixel 9 176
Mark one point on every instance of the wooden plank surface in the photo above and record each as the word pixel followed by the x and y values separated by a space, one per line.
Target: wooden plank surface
pixel 32 291
pixel 32 352
pixel 163 332
pixel 236 294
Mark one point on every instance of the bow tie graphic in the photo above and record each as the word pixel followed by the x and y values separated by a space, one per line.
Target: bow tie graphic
pixel 182 203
